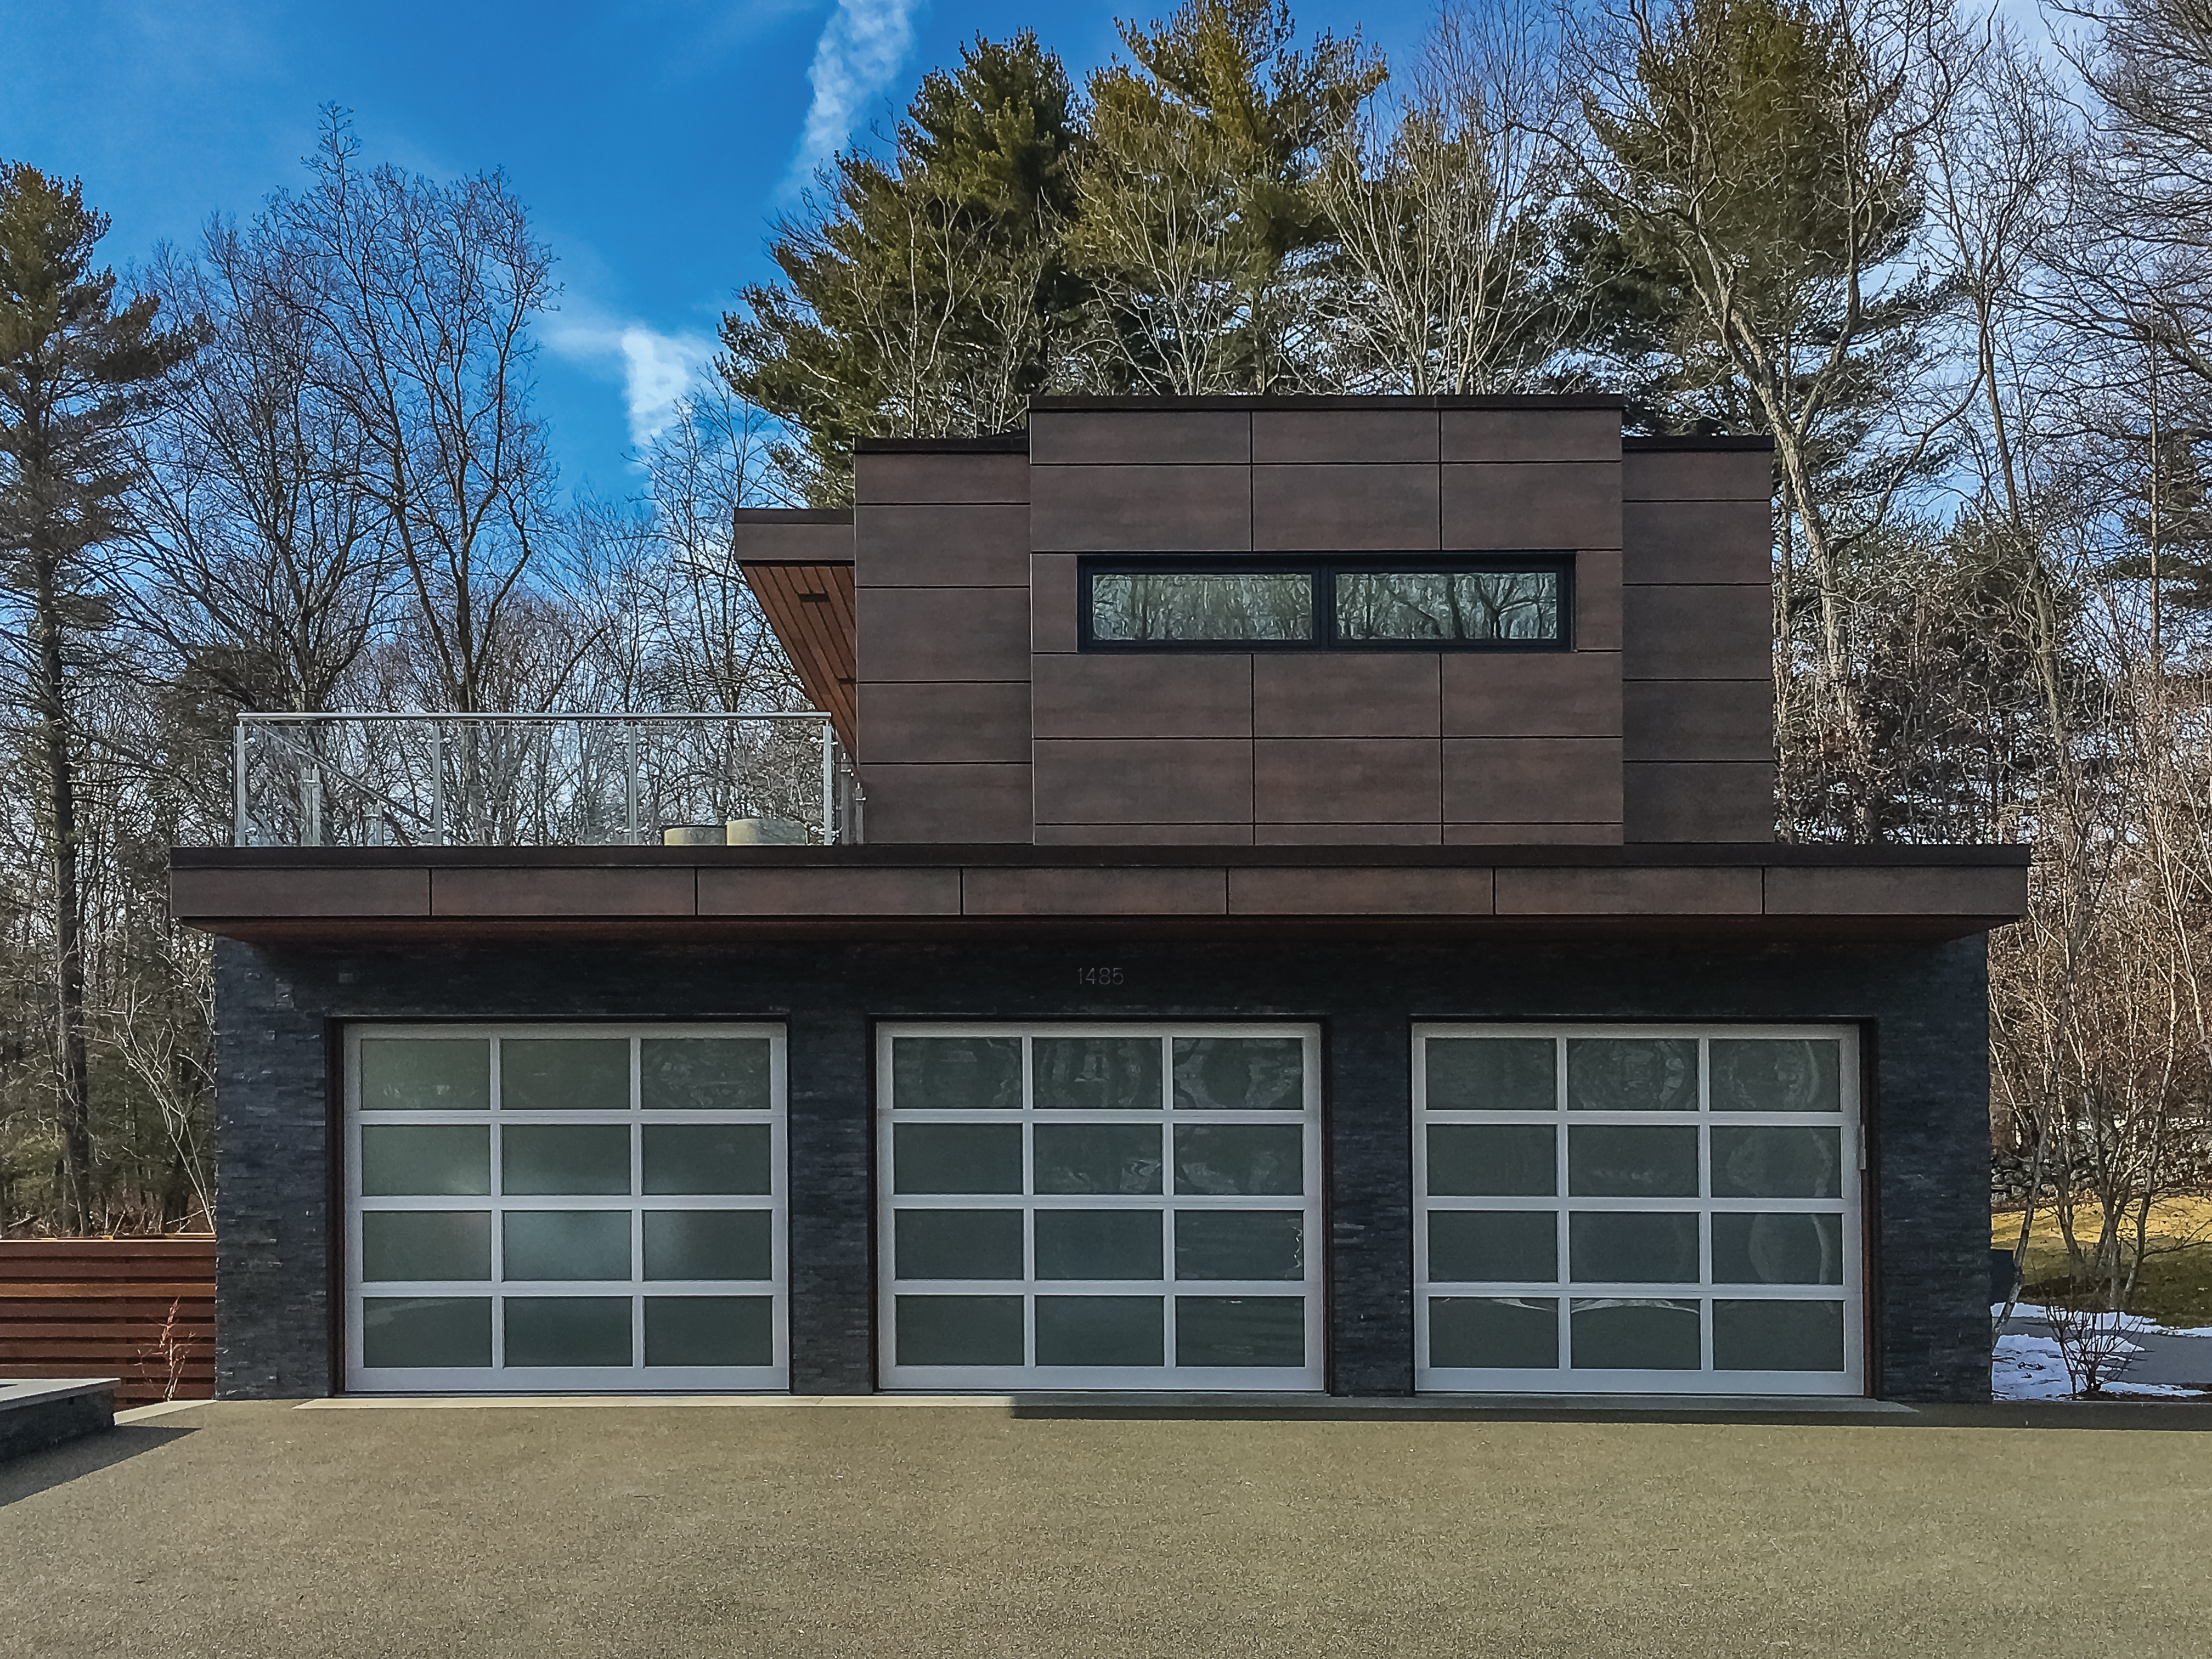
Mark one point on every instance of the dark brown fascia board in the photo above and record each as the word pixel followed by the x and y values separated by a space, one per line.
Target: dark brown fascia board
pixel 991 443
pixel 1661 856
pixel 793 515
pixel 1670 446
pixel 1233 405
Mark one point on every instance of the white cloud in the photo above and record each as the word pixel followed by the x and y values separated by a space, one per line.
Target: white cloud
pixel 855 61
pixel 656 368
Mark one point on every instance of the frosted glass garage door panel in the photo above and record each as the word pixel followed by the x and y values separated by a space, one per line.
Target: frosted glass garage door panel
pixel 566 1208
pixel 1638 1209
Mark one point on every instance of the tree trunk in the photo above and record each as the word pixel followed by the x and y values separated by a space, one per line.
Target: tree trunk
pixel 75 1105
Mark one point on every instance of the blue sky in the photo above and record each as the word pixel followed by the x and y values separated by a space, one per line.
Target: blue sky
pixel 652 141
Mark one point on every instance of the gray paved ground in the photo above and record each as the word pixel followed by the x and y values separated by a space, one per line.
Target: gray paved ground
pixel 2174 1361
pixel 245 1529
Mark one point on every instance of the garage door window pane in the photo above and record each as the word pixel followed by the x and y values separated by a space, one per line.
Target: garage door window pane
pixel 1498 1245
pixel 709 1244
pixel 1778 1336
pixel 1240 1244
pixel 425 1159
pixel 1096 1074
pixel 1777 1162
pixel 425 1244
pixel 1240 1330
pixel 1101 1330
pixel 1225 1159
pixel 1622 1335
pixel 1097 1158
pixel 1772 1075
pixel 564 1074
pixel 1778 1249
pixel 1632 1160
pixel 959 1330
pixel 706 1158
pixel 449 1332
pixel 425 1074
pixel 1494 1333
pixel 1250 1074
pixel 704 1074
pixel 709 1330
pixel 957 1074
pixel 958 1244
pixel 956 1157
pixel 1631 1246
pixel 1632 1074
pixel 1097 1244
pixel 564 1158
pixel 1493 1074
pixel 565 1244
pixel 1493 1160
pixel 567 1330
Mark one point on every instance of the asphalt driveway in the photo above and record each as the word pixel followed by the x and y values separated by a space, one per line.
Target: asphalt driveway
pixel 883 1531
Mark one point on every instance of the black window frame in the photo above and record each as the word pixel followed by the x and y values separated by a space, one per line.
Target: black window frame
pixel 1322 569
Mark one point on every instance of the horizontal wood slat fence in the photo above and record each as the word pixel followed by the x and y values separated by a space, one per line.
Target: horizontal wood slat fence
pixel 139 1309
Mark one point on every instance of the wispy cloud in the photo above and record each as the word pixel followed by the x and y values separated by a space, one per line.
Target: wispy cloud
pixel 855 61
pixel 657 369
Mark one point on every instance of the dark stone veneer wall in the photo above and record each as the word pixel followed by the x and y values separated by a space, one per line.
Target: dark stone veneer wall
pixel 1922 1010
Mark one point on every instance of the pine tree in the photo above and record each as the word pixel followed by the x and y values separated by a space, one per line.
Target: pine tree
pixel 77 373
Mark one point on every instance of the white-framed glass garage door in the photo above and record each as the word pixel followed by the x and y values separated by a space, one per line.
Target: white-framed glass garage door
pixel 1099 1206
pixel 1638 1209
pixel 564 1208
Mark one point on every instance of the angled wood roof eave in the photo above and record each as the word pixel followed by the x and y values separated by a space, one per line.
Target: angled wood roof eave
pixel 798 563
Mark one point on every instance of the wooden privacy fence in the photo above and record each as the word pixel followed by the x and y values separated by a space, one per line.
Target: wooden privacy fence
pixel 139 1309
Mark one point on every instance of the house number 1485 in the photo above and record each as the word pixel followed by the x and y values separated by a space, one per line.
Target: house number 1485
pixel 1098 977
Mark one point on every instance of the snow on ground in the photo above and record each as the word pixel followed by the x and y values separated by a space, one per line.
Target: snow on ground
pixel 2027 1366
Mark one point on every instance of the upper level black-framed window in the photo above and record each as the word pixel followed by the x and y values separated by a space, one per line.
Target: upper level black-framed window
pixel 1348 602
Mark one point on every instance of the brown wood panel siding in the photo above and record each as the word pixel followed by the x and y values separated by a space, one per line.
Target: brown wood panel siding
pixel 1700 633
pixel 1520 434
pixel 1430 834
pixel 1355 695
pixel 1168 696
pixel 564 892
pixel 810 608
pixel 938 477
pixel 1096 892
pixel 1143 781
pixel 1698 542
pixel 942 634
pixel 948 801
pixel 1699 720
pixel 1628 892
pixel 300 892
pixel 1141 509
pixel 1968 892
pixel 1144 835
pixel 1515 505
pixel 1346 780
pixel 1053 597
pixel 1599 625
pixel 828 892
pixel 1123 438
pixel 1714 801
pixel 1568 694
pixel 1322 508
pixel 1532 780
pixel 930 721
pixel 142 1310
pixel 965 545
pixel 1360 893
pixel 1691 475
pixel 1533 835
pixel 1305 437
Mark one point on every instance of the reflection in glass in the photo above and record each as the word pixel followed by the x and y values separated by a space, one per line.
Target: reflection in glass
pixel 564 1245
pixel 1240 1244
pixel 956 1073
pixel 1448 605
pixel 1777 1336
pixel 1771 1075
pixel 1100 1330
pixel 1618 1334
pixel 1252 1074
pixel 1164 607
pixel 1632 1074
pixel 1096 1074
pixel 567 1330
pixel 958 1330
pixel 1778 1249
pixel 1493 1074
pixel 1633 1247
pixel 958 1243
pixel 1098 1157
pixel 956 1157
pixel 1505 1246
pixel 705 1157
pixel 564 1158
pixel 425 1159
pixel 708 1244
pixel 1239 1158
pixel 1098 1244
pixel 1487 1332
pixel 425 1330
pixel 1493 1160
pixel 566 1074
pixel 1778 1161
pixel 425 1244
pixel 709 1330
pixel 703 1074
pixel 425 1074
pixel 1632 1160
pixel 1240 1330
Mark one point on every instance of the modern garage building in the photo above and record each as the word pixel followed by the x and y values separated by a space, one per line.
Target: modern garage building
pixel 1304 914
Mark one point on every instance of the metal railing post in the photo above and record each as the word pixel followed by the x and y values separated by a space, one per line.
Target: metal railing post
pixel 630 775
pixel 828 784
pixel 311 806
pixel 241 833
pixel 438 785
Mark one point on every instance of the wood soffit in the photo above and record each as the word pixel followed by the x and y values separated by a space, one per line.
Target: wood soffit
pixel 810 608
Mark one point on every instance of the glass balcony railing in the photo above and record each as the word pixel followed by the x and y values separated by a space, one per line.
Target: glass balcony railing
pixel 355 778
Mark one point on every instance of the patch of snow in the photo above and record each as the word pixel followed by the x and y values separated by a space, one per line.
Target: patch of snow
pixel 2031 1368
